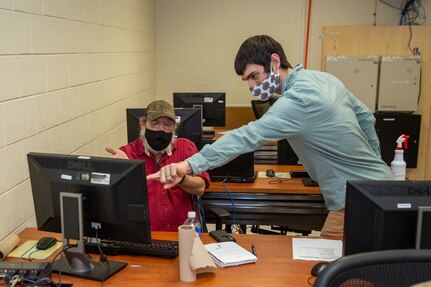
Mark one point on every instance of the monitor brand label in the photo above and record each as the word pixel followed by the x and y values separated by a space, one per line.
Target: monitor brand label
pixel 418 190
pixel 79 165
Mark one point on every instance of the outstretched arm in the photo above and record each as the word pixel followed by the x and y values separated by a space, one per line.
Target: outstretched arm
pixel 170 175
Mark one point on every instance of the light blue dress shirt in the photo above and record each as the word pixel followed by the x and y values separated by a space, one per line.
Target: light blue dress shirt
pixel 330 130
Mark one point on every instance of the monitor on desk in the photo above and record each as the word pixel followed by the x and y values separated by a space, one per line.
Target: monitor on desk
pixel 189 123
pixel 240 170
pixel 112 194
pixel 212 105
pixel 381 215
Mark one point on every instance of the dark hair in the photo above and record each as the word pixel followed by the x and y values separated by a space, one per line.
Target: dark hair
pixel 258 50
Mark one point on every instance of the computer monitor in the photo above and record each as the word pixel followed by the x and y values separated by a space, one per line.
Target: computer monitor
pixel 188 119
pixel 240 169
pixel 113 191
pixel 382 215
pixel 213 106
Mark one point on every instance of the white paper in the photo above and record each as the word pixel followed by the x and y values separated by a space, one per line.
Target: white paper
pixel 229 253
pixel 316 249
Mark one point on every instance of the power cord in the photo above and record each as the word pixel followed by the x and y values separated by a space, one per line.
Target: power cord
pixel 231 200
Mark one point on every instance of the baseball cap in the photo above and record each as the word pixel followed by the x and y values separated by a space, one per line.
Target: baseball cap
pixel 159 109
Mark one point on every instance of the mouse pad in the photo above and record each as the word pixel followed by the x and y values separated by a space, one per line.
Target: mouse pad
pixel 262 174
pixel 28 250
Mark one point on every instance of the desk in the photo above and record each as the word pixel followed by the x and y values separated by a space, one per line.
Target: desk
pixel 288 203
pixel 274 267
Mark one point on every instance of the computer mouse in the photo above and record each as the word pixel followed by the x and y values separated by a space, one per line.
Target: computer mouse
pixel 270 173
pixel 45 243
pixel 318 267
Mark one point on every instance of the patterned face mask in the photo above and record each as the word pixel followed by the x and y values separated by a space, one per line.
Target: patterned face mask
pixel 267 88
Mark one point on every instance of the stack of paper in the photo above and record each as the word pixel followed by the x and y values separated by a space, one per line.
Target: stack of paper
pixel 229 253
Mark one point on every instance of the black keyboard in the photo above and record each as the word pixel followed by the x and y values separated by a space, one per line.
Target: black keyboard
pixel 157 248
pixel 233 179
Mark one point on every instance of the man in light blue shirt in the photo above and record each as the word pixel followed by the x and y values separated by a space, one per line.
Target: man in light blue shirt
pixel 330 130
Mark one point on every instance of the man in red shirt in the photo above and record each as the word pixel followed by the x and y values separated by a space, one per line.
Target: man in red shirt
pixel 158 146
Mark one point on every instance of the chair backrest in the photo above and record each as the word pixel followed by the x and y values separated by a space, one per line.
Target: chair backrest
pixel 260 107
pixel 379 268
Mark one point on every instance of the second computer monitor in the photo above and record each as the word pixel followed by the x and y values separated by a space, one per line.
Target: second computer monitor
pixel 213 106
pixel 382 215
pixel 188 120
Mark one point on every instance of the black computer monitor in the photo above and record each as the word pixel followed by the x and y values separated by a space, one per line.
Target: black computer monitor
pixel 239 169
pixel 382 215
pixel 113 191
pixel 189 123
pixel 213 106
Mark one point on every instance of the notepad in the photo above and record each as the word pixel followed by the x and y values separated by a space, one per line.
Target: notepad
pixel 229 253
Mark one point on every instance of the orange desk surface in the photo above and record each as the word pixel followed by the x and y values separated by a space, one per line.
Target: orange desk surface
pixel 274 267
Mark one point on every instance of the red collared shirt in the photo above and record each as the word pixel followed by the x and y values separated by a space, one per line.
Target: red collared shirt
pixel 168 207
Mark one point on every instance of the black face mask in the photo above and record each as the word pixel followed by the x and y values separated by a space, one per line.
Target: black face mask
pixel 158 140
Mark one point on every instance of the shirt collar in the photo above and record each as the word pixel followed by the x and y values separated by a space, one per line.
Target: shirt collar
pixel 290 78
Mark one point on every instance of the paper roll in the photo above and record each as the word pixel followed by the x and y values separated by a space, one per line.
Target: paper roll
pixel 8 245
pixel 200 259
pixel 186 236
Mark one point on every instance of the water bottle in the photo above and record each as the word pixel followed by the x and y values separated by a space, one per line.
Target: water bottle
pixel 193 221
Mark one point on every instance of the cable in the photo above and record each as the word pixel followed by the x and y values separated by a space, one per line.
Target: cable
pixel 231 200
pixel 103 258
pixel 29 256
pixel 277 180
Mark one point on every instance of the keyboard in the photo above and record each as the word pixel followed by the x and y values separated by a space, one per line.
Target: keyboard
pixel 234 179
pixel 157 248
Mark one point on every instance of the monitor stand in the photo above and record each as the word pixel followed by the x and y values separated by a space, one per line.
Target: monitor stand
pixel 99 271
pixel 208 132
pixel 75 261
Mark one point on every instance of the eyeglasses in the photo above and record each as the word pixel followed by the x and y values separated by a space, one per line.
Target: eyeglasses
pixel 159 123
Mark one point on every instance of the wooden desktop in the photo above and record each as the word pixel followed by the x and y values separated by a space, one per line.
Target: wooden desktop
pixel 274 267
pixel 266 202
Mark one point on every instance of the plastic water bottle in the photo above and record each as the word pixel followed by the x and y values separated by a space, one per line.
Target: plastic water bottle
pixel 193 221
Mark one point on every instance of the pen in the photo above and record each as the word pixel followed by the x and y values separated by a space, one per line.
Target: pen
pixel 253 250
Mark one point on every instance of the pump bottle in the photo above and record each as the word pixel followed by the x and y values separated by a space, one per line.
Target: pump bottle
pixel 398 165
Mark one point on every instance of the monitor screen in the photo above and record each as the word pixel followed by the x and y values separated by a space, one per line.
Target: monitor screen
pixel 213 106
pixel 114 193
pixel 189 123
pixel 381 215
pixel 241 168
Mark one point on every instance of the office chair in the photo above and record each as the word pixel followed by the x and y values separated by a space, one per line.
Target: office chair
pixel 260 107
pixel 218 213
pixel 392 268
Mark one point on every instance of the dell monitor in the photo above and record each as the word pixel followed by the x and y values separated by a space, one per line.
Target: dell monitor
pixel 212 105
pixel 382 215
pixel 189 123
pixel 108 196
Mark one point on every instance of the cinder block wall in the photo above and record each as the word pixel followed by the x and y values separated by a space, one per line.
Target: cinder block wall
pixel 68 70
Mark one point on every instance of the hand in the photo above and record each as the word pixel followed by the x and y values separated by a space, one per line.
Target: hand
pixel 171 174
pixel 116 153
